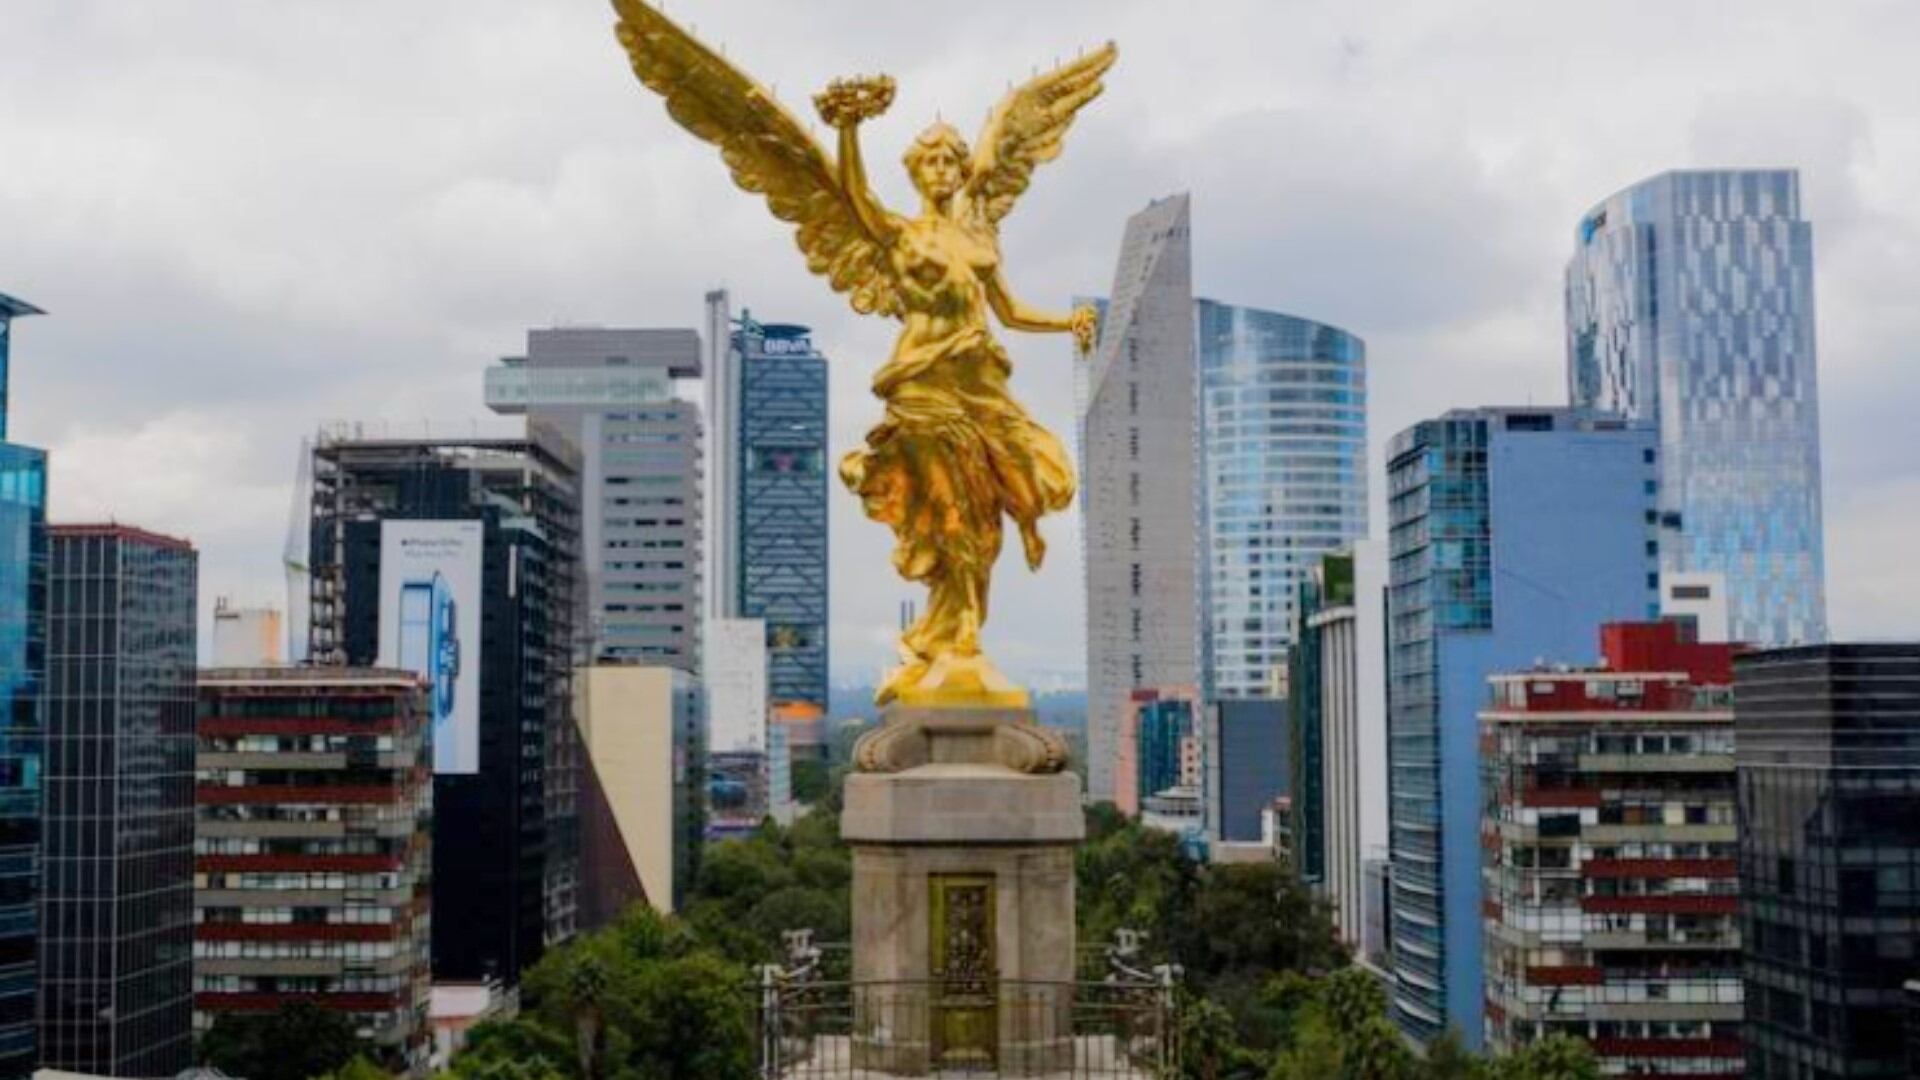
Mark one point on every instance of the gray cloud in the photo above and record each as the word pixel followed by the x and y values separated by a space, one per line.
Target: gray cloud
pixel 248 219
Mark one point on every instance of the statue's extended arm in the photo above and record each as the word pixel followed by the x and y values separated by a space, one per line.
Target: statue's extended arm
pixel 1015 315
pixel 853 180
pixel 845 104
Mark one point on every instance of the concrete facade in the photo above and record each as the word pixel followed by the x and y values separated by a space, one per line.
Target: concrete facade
pixel 612 392
pixel 736 682
pixel 962 820
pixel 1351 629
pixel 1137 497
pixel 640 727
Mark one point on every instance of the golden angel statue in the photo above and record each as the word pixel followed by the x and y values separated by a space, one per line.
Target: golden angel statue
pixel 954 454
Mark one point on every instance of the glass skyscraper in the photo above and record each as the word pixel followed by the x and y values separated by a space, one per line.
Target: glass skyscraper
pixel 780 502
pixel 1690 305
pixel 1513 534
pixel 23 629
pixel 116 951
pixel 1283 438
pixel 1828 746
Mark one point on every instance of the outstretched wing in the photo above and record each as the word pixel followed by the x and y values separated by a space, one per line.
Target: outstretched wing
pixel 1026 128
pixel 768 151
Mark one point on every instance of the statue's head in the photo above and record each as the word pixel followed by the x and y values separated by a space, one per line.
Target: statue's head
pixel 938 162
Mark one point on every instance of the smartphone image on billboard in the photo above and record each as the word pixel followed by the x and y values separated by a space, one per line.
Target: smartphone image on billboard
pixel 430 600
pixel 430 643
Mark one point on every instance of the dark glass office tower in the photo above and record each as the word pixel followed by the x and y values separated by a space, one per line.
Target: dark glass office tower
pixel 116 953
pixel 781 526
pixel 23 627
pixel 506 834
pixel 1827 740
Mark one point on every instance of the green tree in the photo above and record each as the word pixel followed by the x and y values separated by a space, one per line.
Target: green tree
pixel 516 1049
pixel 1449 1059
pixel 1556 1057
pixel 359 1068
pixel 639 1000
pixel 812 781
pixel 297 1042
pixel 1209 1048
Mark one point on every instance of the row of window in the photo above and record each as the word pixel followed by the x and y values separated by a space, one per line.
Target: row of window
pixel 351 915
pixel 299 950
pixel 308 880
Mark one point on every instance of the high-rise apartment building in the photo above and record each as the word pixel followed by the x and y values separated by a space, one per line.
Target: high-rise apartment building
pixel 23 630
pixel 612 392
pixel 1829 767
pixel 457 559
pixel 1339 710
pixel 1139 464
pixel 767 392
pixel 1690 306
pixel 313 872
pixel 1513 534
pixel 1610 856
pixel 116 869
pixel 1223 450
pixel 1283 438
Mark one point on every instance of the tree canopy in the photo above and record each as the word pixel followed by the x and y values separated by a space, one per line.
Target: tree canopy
pixel 297 1042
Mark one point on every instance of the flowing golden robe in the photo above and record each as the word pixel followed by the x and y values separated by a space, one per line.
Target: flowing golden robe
pixel 955 452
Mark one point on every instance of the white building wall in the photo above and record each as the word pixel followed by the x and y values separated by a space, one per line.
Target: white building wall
pixel 1698 595
pixel 247 637
pixel 1354 700
pixel 736 680
pixel 1138 459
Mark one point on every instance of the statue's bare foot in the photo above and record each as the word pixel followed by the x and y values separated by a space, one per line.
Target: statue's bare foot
pixel 1035 546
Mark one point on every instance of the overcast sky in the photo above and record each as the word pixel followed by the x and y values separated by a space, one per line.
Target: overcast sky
pixel 250 218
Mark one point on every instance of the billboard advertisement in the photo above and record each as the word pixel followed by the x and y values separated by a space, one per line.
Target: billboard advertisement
pixel 430 624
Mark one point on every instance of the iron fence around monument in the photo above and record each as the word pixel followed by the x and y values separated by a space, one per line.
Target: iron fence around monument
pixel 816 1023
pixel 1006 1027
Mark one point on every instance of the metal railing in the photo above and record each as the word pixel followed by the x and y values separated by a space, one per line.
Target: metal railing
pixel 1119 1027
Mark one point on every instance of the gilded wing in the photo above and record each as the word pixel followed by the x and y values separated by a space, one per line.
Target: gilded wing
pixel 767 150
pixel 1027 127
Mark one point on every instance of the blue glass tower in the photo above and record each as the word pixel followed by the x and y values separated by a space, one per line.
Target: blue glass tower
pixel 1162 725
pixel 23 642
pixel 1283 438
pixel 1690 306
pixel 1513 534
pixel 781 507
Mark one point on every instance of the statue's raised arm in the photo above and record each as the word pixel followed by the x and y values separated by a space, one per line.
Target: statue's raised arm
pixel 769 152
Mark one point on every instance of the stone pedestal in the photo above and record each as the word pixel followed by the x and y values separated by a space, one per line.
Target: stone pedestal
pixel 963 917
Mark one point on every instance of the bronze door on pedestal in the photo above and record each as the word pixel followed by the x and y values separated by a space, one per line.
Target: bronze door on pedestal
pixel 965 970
